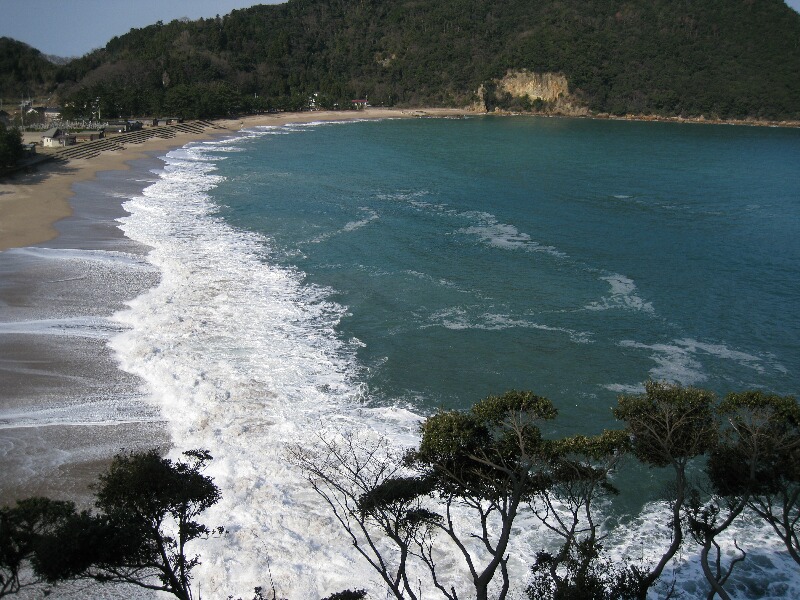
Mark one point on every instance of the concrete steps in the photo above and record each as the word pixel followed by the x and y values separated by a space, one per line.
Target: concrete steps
pixel 118 142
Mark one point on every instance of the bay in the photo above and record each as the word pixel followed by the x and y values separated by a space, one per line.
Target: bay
pixel 574 258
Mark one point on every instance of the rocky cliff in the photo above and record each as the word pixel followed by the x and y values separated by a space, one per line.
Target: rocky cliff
pixel 526 90
pixel 548 87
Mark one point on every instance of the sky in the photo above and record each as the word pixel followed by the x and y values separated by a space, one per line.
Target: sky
pixel 74 27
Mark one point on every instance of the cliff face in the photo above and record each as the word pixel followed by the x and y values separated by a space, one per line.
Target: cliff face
pixel 525 90
pixel 548 87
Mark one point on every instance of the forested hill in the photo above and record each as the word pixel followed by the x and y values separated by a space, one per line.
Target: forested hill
pixel 23 70
pixel 725 58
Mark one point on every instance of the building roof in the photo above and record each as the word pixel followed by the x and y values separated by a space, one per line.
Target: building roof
pixel 52 132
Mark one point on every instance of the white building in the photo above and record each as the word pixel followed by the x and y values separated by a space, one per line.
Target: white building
pixel 53 138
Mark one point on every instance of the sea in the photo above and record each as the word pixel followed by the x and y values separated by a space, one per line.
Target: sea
pixel 351 278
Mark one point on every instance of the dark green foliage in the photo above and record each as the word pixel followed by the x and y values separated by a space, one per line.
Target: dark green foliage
pixel 22 528
pixel 24 71
pixel 399 495
pixel 586 575
pixel 758 460
pixel 10 146
pixel 577 476
pixel 489 460
pixel 760 448
pixel 149 509
pixel 348 595
pixel 670 424
pixel 489 451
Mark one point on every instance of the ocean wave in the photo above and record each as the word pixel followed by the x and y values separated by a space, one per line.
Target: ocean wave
pixel 350 226
pixel 240 356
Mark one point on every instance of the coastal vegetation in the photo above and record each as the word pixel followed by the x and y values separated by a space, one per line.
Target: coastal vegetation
pixel 10 146
pixel 461 492
pixel 719 58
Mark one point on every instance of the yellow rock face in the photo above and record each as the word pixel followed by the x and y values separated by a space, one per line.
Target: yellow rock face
pixel 545 86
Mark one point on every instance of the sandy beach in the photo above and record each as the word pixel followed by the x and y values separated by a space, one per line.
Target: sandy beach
pixel 65 407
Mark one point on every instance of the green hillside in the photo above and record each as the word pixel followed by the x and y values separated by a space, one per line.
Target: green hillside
pixel 24 70
pixel 724 58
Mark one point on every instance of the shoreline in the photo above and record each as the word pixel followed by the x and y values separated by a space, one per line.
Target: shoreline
pixel 31 204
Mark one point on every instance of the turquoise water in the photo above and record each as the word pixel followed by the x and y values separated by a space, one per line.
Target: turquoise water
pixel 574 258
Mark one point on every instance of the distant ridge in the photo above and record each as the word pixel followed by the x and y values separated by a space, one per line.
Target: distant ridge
pixel 23 70
pixel 729 59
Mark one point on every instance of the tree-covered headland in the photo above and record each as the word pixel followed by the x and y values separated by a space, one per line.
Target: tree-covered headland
pixel 717 58
pixel 460 493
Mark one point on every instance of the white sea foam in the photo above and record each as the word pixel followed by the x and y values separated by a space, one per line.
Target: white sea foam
pixel 624 294
pixel 681 360
pixel 768 572
pixel 484 226
pixel 503 235
pixel 459 318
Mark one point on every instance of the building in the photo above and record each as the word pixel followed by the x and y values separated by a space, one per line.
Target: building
pixel 117 127
pixel 54 138
pixel 89 135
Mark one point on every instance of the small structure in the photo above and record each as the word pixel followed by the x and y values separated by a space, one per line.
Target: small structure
pixel 53 138
pixel 360 104
pixel 117 127
pixel 169 121
pixel 89 135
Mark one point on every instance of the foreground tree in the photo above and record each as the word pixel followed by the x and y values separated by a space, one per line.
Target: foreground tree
pixel 491 461
pixel 150 506
pixel 670 426
pixel 484 463
pixel 488 461
pixel 758 460
pixel 21 530
pixel 579 470
pixel 362 481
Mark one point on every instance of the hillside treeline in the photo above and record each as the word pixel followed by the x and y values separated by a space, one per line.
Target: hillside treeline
pixel 724 58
